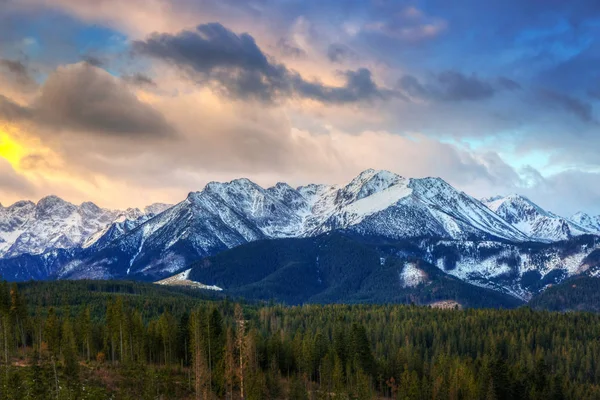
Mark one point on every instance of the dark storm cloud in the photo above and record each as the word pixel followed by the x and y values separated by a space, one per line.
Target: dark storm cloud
pixel 448 86
pixel 359 86
pixel 83 98
pixel 11 111
pixel 214 53
pixel 594 94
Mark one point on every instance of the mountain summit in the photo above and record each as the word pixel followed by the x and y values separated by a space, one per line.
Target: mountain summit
pixel 537 223
pixel 89 242
pixel 226 215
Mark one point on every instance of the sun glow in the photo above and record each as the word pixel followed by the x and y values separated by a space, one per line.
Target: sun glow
pixel 11 150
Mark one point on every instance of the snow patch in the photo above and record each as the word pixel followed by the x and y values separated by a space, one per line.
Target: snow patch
pixel 411 276
pixel 182 279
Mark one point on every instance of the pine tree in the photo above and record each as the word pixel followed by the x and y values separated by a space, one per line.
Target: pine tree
pixel 201 373
pixel 69 350
pixel 241 346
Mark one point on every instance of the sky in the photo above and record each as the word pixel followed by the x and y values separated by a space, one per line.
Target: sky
pixel 131 103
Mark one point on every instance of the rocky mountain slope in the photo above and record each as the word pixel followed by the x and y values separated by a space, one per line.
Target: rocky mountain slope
pixel 52 223
pixel 508 244
pixel 537 223
pixel 226 215
pixel 591 223
pixel 344 267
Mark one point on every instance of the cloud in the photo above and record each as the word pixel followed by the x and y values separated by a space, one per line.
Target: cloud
pixel 16 75
pixel 140 79
pixel 94 60
pixel 215 54
pixel 508 83
pixel 338 53
pixel 288 48
pixel 11 183
pixel 580 109
pixel 565 192
pixel 359 86
pixel 85 99
pixel 11 111
pixel 447 86
pixel 409 25
pixel 18 70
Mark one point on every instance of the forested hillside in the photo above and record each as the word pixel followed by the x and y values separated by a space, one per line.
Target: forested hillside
pixel 138 341
pixel 339 268
pixel 575 294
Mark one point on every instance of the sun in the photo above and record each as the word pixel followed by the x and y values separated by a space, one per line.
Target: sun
pixel 11 150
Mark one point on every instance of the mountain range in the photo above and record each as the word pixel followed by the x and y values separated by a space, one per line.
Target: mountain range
pixel 507 244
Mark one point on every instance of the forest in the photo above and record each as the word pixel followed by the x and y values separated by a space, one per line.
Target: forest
pixel 124 340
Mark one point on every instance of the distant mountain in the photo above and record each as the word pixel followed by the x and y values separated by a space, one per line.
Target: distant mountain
pixel 537 223
pixel 52 223
pixel 506 244
pixel 123 223
pixel 226 215
pixel 591 223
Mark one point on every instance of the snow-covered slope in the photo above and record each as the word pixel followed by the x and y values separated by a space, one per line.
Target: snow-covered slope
pixel 182 279
pixel 520 269
pixel 160 240
pixel 122 224
pixel 52 223
pixel 225 215
pixel 592 223
pixel 531 219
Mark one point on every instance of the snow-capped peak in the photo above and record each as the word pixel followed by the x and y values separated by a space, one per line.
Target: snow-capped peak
pixel 496 202
pixel 224 215
pixel 52 223
pixel 587 221
pixel 370 182
pixel 533 220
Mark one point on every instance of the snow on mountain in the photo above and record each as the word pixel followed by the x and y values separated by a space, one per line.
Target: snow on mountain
pixel 519 269
pixel 182 279
pixel 412 276
pixel 122 224
pixel 589 222
pixel 161 239
pixel 537 223
pixel 52 223
pixel 225 215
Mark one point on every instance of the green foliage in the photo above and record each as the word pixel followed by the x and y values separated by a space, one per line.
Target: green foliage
pixel 179 346
pixel 579 293
pixel 337 268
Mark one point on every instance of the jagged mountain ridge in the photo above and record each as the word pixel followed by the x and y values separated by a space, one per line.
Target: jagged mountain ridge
pixel 587 221
pixel 537 223
pixel 53 223
pixel 378 204
pixel 226 215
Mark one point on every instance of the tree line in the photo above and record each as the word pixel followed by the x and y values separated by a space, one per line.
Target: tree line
pixel 219 349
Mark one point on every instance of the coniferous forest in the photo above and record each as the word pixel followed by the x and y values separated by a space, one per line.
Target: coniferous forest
pixel 122 340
